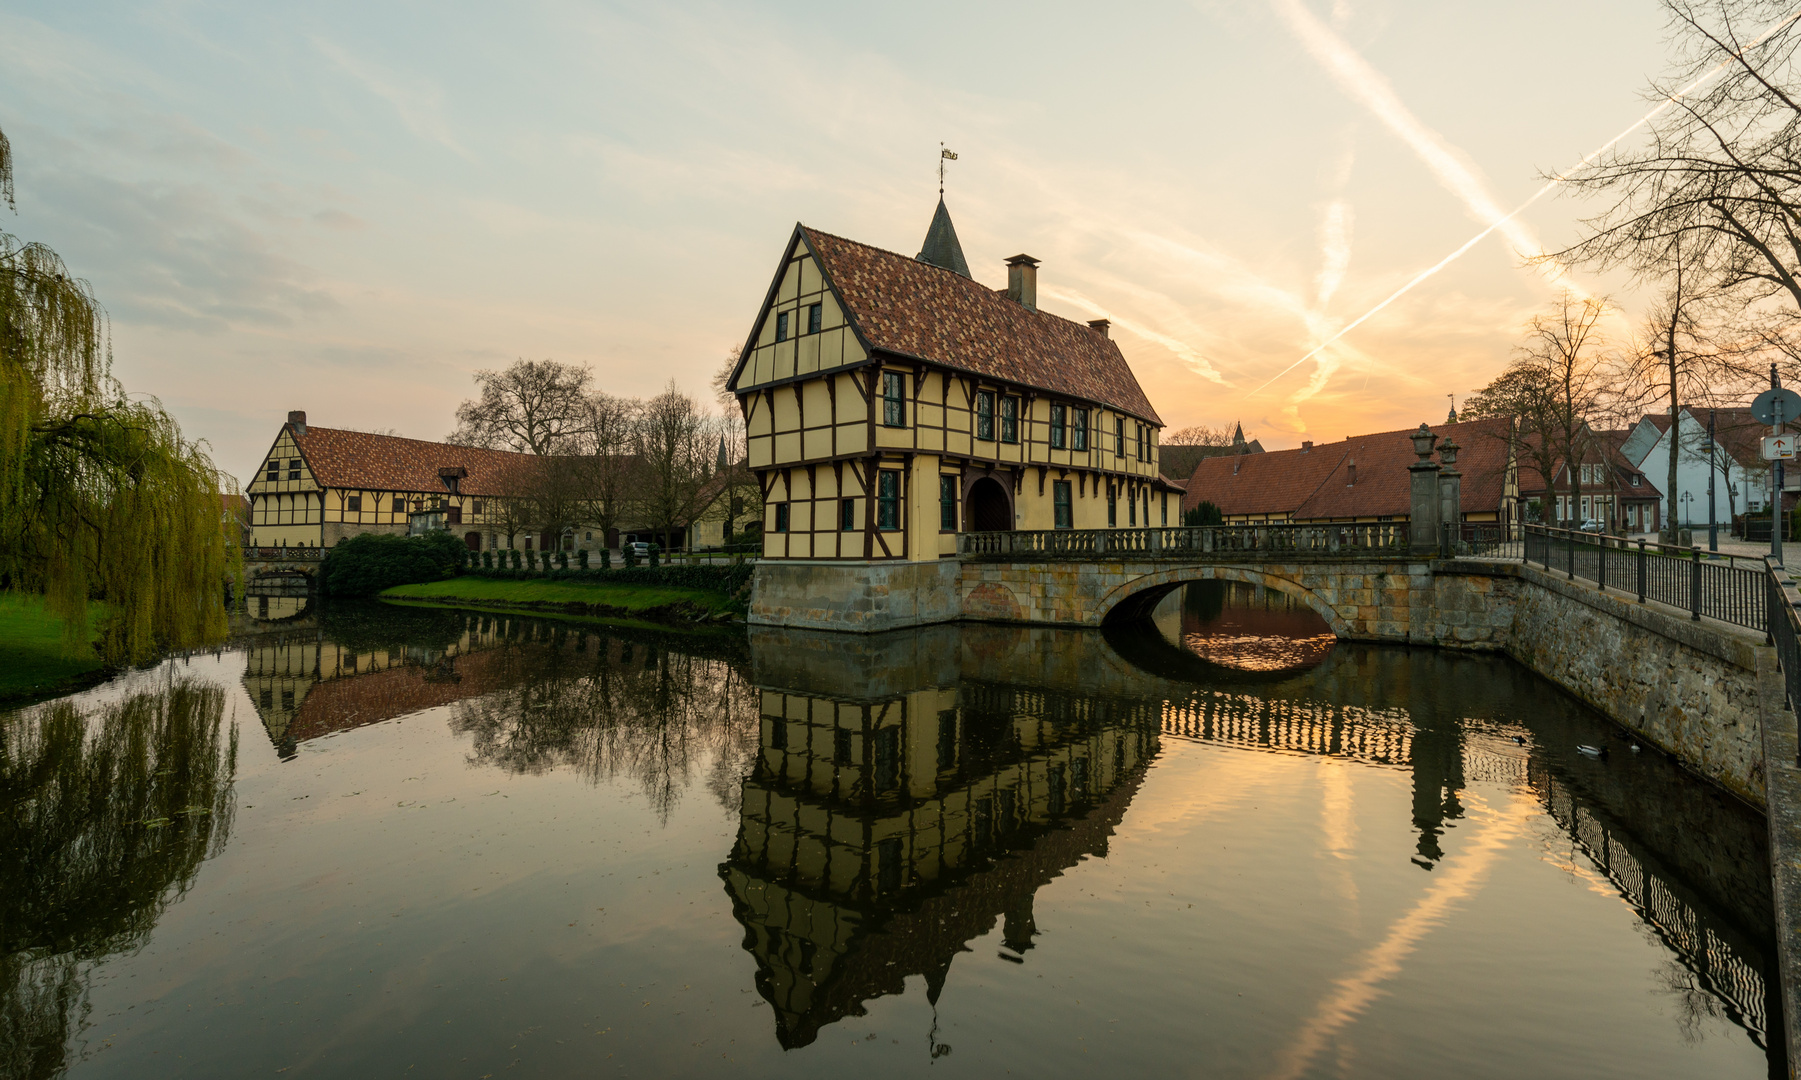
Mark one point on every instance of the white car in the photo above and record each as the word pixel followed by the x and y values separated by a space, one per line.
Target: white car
pixel 639 548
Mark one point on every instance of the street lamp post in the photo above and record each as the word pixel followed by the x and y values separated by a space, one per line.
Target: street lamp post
pixel 1688 498
pixel 1713 460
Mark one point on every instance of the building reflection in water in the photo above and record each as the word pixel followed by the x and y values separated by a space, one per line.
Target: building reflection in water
pixel 881 832
pixel 878 835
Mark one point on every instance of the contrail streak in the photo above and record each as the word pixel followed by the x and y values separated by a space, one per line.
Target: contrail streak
pixel 1499 222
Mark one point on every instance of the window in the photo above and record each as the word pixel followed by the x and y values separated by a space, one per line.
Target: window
pixel 781 520
pixel 476 508
pixel 841 747
pixel 1132 512
pixel 294 469
pixel 1119 437
pixel 1059 426
pixel 781 326
pixel 1078 429
pixel 353 503
pixel 1010 419
pixel 947 503
pixel 985 414
pixel 1635 479
pixel 274 470
pixel 847 515
pixel 400 506
pixel 1112 507
pixel 1065 516
pixel 887 502
pixel 1164 511
pixel 814 314
pixel 894 399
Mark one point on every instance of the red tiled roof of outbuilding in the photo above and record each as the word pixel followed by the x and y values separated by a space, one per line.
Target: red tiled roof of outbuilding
pixel 913 309
pixel 361 460
pixel 1316 483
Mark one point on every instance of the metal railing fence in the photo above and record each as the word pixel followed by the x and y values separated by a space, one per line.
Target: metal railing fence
pixel 1482 539
pixel 1348 540
pixel 1722 587
pixel 1785 632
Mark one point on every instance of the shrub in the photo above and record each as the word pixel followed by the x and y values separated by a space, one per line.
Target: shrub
pixel 581 558
pixel 531 560
pixel 487 560
pixel 367 564
pixel 606 558
pixel 562 560
pixel 515 558
pixel 1203 515
pixel 631 557
pixel 653 556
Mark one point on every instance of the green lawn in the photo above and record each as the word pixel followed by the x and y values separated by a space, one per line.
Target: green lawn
pixel 493 591
pixel 32 660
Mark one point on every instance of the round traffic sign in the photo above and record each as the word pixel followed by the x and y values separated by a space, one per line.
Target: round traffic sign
pixel 1764 408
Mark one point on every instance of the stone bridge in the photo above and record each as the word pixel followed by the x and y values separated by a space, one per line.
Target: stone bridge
pixel 1363 579
pixel 289 572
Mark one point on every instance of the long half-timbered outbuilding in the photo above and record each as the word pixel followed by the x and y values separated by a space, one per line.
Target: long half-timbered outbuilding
pixel 891 402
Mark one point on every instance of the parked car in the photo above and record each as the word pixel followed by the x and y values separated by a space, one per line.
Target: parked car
pixel 1591 526
pixel 639 548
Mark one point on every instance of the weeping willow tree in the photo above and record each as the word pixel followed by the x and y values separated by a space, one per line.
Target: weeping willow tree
pixel 104 822
pixel 100 495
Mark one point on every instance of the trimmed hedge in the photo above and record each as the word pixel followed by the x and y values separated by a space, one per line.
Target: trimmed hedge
pixel 725 579
pixel 365 565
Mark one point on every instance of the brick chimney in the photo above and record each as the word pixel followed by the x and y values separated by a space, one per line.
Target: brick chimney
pixel 1022 281
pixel 1350 472
pixel 1307 446
pixel 297 421
pixel 1103 325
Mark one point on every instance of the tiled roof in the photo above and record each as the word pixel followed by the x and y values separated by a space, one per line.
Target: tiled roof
pixel 913 309
pixel 360 460
pixel 1317 483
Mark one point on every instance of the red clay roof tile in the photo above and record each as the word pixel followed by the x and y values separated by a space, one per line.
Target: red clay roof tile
pixel 913 309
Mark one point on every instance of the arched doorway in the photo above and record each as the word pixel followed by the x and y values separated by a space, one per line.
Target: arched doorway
pixel 990 510
pixel 473 541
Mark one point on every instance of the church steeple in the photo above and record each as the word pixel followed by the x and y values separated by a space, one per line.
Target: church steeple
pixel 941 247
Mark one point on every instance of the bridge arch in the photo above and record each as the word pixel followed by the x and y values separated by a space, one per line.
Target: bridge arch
pixel 1137 597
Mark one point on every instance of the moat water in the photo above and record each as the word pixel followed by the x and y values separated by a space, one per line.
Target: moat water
pixel 385 841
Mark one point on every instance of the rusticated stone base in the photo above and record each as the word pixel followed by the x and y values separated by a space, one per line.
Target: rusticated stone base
pixel 856 597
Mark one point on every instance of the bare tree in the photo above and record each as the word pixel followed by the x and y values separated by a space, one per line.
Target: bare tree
pixel 1199 435
pixel 675 452
pixel 1713 195
pixel 722 379
pixel 1558 380
pixel 534 406
pixel 609 462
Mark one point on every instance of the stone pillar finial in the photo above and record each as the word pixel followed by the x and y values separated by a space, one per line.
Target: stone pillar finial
pixel 1423 504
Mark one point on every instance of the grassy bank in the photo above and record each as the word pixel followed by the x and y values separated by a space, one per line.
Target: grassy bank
pixel 649 603
pixel 32 662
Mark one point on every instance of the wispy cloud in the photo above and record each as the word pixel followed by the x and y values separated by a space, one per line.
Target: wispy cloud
pixel 418 102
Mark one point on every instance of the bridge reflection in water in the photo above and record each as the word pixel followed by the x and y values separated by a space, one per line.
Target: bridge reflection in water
pixel 880 833
pixel 909 793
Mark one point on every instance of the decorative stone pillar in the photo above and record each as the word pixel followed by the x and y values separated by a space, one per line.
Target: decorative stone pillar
pixel 1422 526
pixel 1450 488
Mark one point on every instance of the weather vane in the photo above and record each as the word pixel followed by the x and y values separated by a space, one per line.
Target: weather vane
pixel 943 156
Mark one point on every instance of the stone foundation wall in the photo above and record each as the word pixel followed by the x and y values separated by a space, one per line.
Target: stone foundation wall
pixel 1690 688
pixel 855 597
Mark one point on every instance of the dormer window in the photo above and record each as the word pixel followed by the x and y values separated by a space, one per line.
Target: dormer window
pixel 1634 479
pixel 781 326
pixel 815 314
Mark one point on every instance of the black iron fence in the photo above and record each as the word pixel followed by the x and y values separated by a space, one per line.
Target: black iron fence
pixel 1785 630
pixel 1725 587
pixel 1349 540
pixel 1482 539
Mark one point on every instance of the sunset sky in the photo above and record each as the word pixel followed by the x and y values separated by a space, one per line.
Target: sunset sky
pixel 349 208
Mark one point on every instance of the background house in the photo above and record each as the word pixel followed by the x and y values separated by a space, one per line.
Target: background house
pixel 1741 477
pixel 1363 478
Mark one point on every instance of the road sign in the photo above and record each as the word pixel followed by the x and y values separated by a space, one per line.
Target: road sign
pixel 1779 447
pixel 1764 408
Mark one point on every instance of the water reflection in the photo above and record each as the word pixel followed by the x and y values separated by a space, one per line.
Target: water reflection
pixel 1245 627
pixel 530 694
pixel 105 819
pixel 882 831
pixel 879 834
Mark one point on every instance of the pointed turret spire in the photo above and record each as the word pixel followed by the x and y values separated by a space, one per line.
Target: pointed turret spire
pixel 1238 434
pixel 941 246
